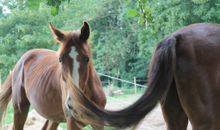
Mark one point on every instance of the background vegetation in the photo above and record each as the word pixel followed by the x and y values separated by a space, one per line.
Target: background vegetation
pixel 124 32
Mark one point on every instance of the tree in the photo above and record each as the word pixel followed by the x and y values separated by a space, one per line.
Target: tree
pixel 124 32
pixel 55 5
pixel 26 29
pixel 20 32
pixel 115 41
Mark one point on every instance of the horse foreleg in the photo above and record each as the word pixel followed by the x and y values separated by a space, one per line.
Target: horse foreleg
pixel 50 125
pixel 21 108
pixel 173 113
pixel 20 116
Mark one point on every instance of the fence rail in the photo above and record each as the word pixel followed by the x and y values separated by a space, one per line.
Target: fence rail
pixel 111 77
pixel 122 80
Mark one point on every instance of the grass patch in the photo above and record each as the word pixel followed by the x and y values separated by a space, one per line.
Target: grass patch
pixel 8 118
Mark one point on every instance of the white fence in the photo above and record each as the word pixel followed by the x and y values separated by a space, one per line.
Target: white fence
pixel 134 83
pixel 122 80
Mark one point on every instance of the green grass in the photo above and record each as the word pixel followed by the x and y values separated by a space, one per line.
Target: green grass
pixel 8 118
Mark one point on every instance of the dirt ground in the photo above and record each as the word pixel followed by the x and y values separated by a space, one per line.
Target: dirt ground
pixel 33 122
pixel 153 121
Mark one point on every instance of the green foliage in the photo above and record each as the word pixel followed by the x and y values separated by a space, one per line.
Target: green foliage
pixel 27 29
pixel 9 115
pixel 55 5
pixel 124 33
pixel 20 32
pixel 163 17
pixel 33 4
pixel 115 48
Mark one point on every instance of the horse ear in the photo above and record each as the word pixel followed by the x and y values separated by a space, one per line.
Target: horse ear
pixel 58 35
pixel 85 31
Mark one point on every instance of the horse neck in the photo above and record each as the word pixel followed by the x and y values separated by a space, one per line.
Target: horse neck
pixel 58 75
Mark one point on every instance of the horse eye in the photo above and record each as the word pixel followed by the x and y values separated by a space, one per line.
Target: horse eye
pixel 86 59
pixel 60 59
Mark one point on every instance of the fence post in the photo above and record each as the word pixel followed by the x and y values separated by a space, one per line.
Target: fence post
pixel 110 88
pixel 135 86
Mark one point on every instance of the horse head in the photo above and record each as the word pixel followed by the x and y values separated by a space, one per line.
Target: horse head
pixel 74 57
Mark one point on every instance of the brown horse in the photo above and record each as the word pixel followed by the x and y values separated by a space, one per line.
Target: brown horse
pixel 40 77
pixel 184 76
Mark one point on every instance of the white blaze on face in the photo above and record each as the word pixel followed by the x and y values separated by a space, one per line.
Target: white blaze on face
pixel 75 71
pixel 75 75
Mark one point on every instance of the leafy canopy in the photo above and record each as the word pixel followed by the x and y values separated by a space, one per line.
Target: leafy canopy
pixel 124 32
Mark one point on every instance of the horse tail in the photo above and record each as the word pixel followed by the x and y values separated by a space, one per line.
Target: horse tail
pixel 5 96
pixel 160 77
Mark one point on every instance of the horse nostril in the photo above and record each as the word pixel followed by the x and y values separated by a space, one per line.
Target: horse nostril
pixel 69 106
pixel 60 59
pixel 86 59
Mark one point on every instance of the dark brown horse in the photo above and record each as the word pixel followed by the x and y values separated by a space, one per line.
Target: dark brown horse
pixel 184 76
pixel 40 79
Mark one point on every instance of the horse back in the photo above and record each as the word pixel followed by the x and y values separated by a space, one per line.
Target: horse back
pixel 34 65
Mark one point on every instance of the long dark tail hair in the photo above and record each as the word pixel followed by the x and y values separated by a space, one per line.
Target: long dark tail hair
pixel 160 78
pixel 5 96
